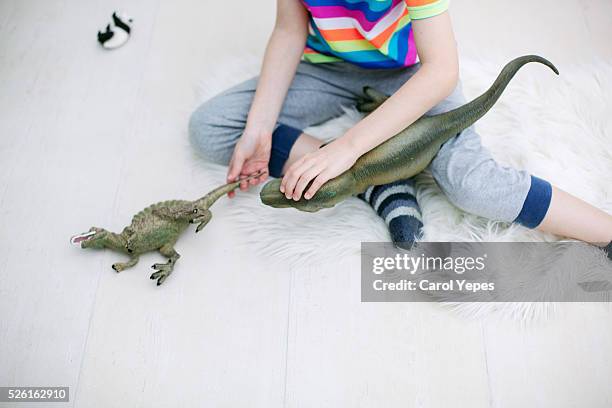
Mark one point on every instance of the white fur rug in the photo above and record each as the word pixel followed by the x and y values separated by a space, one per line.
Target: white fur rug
pixel 559 128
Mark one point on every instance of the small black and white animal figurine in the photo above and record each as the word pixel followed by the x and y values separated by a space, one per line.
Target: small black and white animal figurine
pixel 117 33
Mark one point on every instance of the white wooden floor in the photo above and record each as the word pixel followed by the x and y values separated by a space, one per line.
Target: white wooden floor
pixel 89 137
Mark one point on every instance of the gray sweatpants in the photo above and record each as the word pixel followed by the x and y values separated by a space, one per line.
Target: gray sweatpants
pixel 465 171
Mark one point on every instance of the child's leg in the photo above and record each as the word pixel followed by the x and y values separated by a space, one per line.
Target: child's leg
pixel 476 183
pixel 314 97
pixel 571 217
pixel 397 205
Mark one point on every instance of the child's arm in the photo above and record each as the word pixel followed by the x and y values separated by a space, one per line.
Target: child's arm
pixel 282 56
pixel 433 82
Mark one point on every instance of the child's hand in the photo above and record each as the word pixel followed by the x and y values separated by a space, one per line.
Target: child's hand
pixel 251 155
pixel 322 165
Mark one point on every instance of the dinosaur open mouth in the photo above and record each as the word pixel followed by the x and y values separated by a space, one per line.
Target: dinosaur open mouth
pixel 77 239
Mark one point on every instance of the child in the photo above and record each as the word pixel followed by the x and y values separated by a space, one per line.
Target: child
pixel 319 56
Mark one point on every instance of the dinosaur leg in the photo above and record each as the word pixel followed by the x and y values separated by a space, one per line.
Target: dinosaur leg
pixel 118 267
pixel 202 220
pixel 165 269
pixel 370 100
pixel 128 233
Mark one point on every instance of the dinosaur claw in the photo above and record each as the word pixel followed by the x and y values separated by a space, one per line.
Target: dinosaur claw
pixel 162 273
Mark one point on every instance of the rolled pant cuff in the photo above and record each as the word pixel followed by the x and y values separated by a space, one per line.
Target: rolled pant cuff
pixel 283 139
pixel 536 203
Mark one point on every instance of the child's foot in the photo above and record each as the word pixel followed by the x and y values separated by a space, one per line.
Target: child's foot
pixel 396 203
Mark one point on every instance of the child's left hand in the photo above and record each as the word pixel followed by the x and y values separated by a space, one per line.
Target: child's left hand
pixel 319 166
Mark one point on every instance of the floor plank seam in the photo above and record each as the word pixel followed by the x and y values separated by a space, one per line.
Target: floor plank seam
pixel 486 360
pixel 288 325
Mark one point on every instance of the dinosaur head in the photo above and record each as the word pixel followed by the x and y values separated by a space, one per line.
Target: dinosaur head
pixel 198 215
pixel 187 213
pixel 192 213
pixel 94 238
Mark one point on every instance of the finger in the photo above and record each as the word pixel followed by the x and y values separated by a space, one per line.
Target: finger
pixel 232 194
pixel 228 178
pixel 316 185
pixel 293 177
pixel 244 185
pixel 229 170
pixel 284 180
pixel 235 167
pixel 304 180
pixel 263 177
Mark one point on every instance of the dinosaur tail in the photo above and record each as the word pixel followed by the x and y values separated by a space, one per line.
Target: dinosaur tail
pixel 209 199
pixel 464 116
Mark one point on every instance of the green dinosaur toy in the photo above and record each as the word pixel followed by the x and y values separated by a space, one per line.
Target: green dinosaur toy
pixel 157 227
pixel 404 155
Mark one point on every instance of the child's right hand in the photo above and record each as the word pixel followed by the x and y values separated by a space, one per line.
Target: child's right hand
pixel 251 155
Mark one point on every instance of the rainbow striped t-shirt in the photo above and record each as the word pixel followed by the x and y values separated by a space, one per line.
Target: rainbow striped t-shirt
pixel 368 33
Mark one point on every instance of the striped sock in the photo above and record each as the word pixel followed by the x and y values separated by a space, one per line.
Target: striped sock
pixel 396 203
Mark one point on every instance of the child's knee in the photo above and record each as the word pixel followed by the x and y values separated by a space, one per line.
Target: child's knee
pixel 212 139
pixel 470 198
pixel 484 188
pixel 199 127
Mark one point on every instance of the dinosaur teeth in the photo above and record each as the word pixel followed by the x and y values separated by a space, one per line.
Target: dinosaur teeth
pixel 77 239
